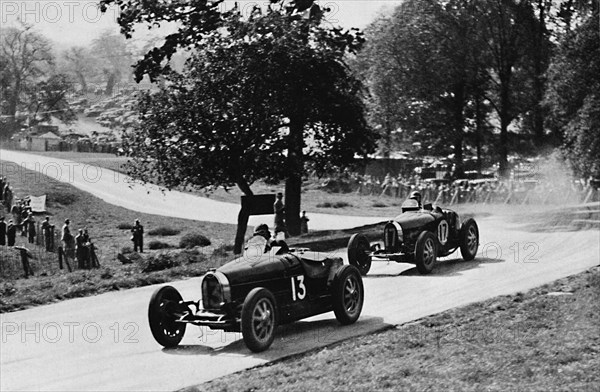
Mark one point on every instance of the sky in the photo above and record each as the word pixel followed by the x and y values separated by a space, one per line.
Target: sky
pixel 78 22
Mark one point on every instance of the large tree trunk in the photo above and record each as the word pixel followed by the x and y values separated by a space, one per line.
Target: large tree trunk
pixel 459 123
pixel 293 183
pixel 504 122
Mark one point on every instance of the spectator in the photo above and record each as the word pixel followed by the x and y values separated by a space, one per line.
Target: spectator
pixel 48 232
pixel 2 231
pixel 279 210
pixel 138 236
pixel 80 249
pixel 11 233
pixel 304 223
pixel 30 227
pixel 67 240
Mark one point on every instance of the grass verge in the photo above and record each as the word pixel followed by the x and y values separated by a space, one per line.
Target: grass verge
pixel 102 220
pixel 543 340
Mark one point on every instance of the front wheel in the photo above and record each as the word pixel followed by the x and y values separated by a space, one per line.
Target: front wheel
pixel 426 252
pixel 359 253
pixel 162 313
pixel 469 239
pixel 348 294
pixel 258 319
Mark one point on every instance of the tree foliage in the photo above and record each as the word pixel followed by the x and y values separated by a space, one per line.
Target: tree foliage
pixel 263 97
pixel 28 81
pixel 573 96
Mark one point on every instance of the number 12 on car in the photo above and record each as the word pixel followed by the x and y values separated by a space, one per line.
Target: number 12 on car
pixel 298 288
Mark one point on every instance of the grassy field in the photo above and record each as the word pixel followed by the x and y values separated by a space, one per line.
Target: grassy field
pixel 547 339
pixel 103 221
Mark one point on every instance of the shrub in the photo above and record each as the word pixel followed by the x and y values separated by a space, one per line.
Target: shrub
pixel 159 262
pixel 378 204
pixel 223 250
pixel 125 226
pixel 337 204
pixel 61 197
pixel 191 240
pixel 106 274
pixel 126 250
pixel 164 231
pixel 158 245
pixel 190 256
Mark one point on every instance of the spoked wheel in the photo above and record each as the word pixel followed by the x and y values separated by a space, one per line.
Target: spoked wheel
pixel 359 253
pixel 426 252
pixel 348 294
pixel 258 319
pixel 469 240
pixel 162 313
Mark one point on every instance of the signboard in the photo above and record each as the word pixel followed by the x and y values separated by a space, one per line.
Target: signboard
pixel 38 203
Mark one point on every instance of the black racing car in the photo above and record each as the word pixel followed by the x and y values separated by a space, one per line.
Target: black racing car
pixel 258 291
pixel 419 236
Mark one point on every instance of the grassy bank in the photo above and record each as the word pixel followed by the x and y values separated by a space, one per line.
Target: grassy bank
pixel 108 227
pixel 546 339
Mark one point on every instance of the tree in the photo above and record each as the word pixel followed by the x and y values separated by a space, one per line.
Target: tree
pixel 79 62
pixel 573 94
pixel 26 57
pixel 509 27
pixel 424 64
pixel 262 98
pixel 113 58
pixel 48 99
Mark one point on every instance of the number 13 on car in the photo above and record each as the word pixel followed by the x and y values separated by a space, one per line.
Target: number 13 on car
pixel 298 288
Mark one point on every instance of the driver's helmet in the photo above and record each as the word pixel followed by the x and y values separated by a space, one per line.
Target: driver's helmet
pixel 262 230
pixel 416 196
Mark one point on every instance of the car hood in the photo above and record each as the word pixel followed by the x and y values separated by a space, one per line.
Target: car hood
pixel 412 219
pixel 255 268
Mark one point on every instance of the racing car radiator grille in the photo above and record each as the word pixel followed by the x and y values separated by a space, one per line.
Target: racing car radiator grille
pixel 212 293
pixel 390 237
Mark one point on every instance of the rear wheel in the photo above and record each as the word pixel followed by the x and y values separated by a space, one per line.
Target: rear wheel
pixel 359 253
pixel 258 319
pixel 348 294
pixel 426 252
pixel 469 240
pixel 162 313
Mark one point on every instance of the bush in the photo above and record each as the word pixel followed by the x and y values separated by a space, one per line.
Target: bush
pixel 191 240
pixel 61 197
pixel 164 231
pixel 158 245
pixel 125 226
pixel 190 256
pixel 126 250
pixel 159 262
pixel 378 204
pixel 223 250
pixel 337 204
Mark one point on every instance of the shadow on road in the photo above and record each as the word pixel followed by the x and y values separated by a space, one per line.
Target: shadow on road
pixel 452 267
pixel 290 339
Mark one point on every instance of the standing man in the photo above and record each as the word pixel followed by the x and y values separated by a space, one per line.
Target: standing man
pixel 2 231
pixel 67 240
pixel 30 227
pixel 138 236
pixel 11 233
pixel 48 235
pixel 80 249
pixel 304 223
pixel 279 210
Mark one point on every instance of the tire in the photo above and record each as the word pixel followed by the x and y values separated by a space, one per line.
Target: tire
pixel 426 252
pixel 358 256
pixel 165 329
pixel 259 319
pixel 469 240
pixel 348 294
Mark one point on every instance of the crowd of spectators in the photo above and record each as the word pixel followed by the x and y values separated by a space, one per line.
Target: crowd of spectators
pixel 446 191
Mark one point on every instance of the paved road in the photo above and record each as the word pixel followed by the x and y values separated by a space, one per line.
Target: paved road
pixel 103 343
pixel 116 188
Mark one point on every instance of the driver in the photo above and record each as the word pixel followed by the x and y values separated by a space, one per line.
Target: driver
pixel 415 195
pixel 261 237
